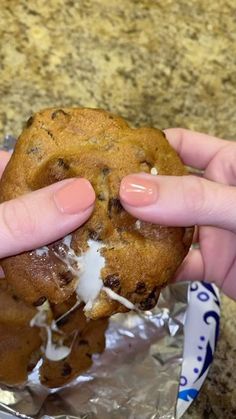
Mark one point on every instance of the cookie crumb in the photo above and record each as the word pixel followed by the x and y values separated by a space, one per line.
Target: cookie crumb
pixel 154 171
pixel 138 224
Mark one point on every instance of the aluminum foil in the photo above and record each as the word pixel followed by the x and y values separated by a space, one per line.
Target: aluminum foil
pixel 136 377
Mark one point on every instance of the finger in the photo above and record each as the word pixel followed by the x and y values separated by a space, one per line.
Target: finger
pixel 195 149
pixel 192 268
pixel 4 159
pixel 179 200
pixel 44 216
pixel 222 169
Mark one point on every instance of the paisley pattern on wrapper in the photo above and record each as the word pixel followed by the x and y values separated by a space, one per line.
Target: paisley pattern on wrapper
pixel 201 335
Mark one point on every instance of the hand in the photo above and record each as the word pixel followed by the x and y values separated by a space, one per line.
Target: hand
pixel 43 216
pixel 208 202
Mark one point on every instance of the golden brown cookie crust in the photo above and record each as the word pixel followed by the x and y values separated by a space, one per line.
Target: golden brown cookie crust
pixel 84 337
pixel 22 346
pixel 19 342
pixel 140 258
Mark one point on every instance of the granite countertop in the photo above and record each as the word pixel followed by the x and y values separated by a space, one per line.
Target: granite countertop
pixel 163 63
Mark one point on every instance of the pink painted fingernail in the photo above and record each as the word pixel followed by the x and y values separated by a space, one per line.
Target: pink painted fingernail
pixel 75 197
pixel 137 191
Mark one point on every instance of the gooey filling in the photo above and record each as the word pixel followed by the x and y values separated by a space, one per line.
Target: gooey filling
pixel 87 269
pixel 52 351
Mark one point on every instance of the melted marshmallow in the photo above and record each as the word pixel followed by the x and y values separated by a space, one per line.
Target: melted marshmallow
pixel 122 300
pixel 52 351
pixel 154 171
pixel 42 251
pixel 88 270
pixel 89 266
pixel 90 283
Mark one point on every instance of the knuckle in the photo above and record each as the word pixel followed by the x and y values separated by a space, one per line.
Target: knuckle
pixel 194 195
pixel 228 153
pixel 228 159
pixel 18 219
pixel 223 167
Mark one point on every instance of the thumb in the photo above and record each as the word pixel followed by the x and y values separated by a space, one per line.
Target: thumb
pixel 44 216
pixel 179 200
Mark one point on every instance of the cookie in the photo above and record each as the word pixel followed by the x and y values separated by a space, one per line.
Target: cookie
pixel 19 342
pixel 58 335
pixel 83 337
pixel 113 262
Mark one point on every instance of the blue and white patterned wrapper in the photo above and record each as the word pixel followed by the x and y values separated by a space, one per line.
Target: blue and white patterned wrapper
pixel 201 334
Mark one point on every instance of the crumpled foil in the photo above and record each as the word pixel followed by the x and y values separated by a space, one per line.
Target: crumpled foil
pixel 136 377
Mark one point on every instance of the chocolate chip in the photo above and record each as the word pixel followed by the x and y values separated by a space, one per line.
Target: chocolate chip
pixel 29 122
pixel 62 321
pixel 65 277
pixel 163 133
pixel 140 288
pixel 63 163
pixel 106 171
pixel 33 150
pixel 66 369
pixel 150 301
pixel 83 342
pixel 114 205
pixel 112 281
pixel 15 297
pixel 93 235
pixel 40 301
pixel 49 133
pixel 58 113
pixel 88 355
pixel 101 197
pixel 111 117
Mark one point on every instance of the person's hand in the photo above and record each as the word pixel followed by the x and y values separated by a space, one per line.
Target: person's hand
pixel 208 202
pixel 43 216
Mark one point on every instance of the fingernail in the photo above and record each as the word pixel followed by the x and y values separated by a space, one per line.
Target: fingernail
pixel 137 191
pixel 75 197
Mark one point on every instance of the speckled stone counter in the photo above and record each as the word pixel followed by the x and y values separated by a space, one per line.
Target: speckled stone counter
pixel 163 63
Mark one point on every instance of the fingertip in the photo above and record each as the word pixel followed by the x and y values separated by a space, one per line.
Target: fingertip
pixel 45 215
pixel 75 196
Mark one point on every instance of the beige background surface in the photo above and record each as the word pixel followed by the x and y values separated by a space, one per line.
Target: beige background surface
pixel 163 63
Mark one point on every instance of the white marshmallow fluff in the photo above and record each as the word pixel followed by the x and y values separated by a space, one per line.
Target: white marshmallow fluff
pixel 89 266
pixel 87 269
pixel 53 351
